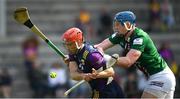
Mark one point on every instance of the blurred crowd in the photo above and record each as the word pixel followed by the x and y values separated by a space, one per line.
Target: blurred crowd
pixel 132 81
pixel 161 16
pixel 160 19
pixel 5 83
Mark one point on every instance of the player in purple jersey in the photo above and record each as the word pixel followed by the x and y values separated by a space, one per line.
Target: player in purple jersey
pixel 85 61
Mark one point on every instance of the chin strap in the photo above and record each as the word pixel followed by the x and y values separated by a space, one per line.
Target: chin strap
pixel 78 47
pixel 128 29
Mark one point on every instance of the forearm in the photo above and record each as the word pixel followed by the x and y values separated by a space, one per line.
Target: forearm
pixel 104 45
pixel 131 57
pixel 73 70
pixel 124 62
pixel 106 73
pixel 77 76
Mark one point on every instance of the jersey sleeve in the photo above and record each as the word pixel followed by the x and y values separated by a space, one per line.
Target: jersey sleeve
pixel 139 43
pixel 96 60
pixel 71 57
pixel 114 39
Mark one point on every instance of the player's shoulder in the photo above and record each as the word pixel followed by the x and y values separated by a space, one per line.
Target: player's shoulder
pixel 89 49
pixel 115 36
pixel 139 33
pixel 140 36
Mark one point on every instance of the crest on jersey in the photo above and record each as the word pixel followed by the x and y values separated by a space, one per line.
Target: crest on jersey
pixel 82 62
pixel 138 41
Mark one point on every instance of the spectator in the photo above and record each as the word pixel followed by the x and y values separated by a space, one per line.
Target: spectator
pixel 84 16
pixel 5 83
pixel 37 79
pixel 59 84
pixel 166 52
pixel 105 27
pixel 131 85
pixel 154 17
pixel 167 14
pixel 30 49
pixel 84 23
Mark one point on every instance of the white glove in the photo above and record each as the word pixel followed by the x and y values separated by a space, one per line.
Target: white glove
pixel 66 59
pixel 115 56
pixel 110 60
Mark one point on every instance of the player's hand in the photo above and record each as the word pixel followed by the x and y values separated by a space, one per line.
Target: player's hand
pixel 99 49
pixel 87 77
pixel 66 59
pixel 94 73
pixel 115 56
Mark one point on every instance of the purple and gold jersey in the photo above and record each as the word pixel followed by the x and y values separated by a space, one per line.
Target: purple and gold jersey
pixel 87 58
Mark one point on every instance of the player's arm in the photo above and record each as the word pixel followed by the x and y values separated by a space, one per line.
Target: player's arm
pixel 99 64
pixel 138 46
pixel 77 75
pixel 109 42
pixel 104 45
pixel 131 57
pixel 103 74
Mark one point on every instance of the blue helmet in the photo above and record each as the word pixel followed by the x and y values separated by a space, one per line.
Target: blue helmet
pixel 125 16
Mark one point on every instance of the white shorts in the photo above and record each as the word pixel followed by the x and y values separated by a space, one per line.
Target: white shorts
pixel 162 84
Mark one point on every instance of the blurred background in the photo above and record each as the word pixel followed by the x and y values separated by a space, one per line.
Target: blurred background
pixel 26 61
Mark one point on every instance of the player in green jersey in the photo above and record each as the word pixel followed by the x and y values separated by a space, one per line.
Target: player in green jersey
pixel 142 53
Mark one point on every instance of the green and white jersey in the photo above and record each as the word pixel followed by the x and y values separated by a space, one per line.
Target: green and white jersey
pixel 150 62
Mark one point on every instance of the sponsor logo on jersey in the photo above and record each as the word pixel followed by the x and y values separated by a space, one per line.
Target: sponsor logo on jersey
pixel 156 83
pixel 138 41
pixel 82 62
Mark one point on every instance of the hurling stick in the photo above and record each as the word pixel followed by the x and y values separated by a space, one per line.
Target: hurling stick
pixel 21 15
